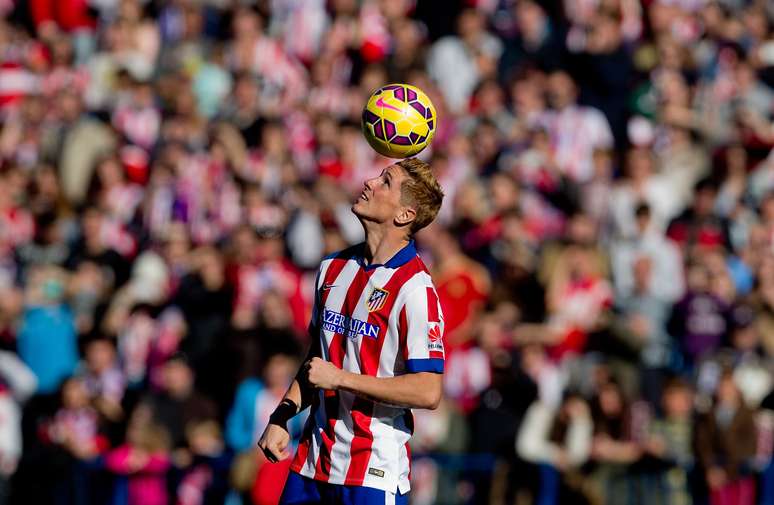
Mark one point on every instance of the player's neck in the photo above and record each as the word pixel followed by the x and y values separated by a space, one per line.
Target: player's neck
pixel 381 245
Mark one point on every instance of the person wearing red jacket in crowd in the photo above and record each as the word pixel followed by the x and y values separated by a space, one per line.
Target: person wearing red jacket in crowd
pixel 463 285
pixel 260 268
pixel 71 16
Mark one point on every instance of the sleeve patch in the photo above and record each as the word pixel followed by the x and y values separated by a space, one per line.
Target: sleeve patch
pixel 435 338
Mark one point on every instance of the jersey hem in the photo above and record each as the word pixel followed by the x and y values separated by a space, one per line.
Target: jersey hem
pixel 397 488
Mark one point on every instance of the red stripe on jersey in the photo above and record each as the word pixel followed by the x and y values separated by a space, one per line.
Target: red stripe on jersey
pixel 360 448
pixel 336 353
pixel 432 306
pixel 327 437
pixel 305 443
pixel 403 332
pixel 370 355
pixel 408 457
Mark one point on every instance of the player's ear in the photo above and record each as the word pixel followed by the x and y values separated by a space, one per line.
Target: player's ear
pixel 405 216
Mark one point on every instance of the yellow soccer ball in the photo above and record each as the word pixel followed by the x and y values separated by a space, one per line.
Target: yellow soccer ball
pixel 399 120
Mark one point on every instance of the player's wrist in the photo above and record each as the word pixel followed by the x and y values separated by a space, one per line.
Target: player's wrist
pixel 284 412
pixel 340 380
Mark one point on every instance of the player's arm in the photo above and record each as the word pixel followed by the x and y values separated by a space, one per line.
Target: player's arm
pixel 276 437
pixel 421 390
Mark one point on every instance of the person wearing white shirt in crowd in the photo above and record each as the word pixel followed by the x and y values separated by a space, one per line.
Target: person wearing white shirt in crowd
pixel 458 62
pixel 557 440
pixel 576 131
pixel 666 281
pixel 17 383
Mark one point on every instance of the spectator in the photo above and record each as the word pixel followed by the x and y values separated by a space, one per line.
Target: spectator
pixel 670 440
pixel 641 186
pixel 490 382
pixel 205 298
pixel 641 326
pixel 567 121
pixel 462 285
pixel 178 403
pixel 742 355
pixel 205 478
pixel 255 400
pixel 547 377
pixel 725 444
pixel 698 321
pixel 469 55
pixel 536 39
pixel 103 378
pixel 698 225
pixel 578 299
pixel 613 446
pixel 47 338
pixel 666 269
pixel 82 140
pixel 141 463
pixel 766 447
pixel 76 433
pixel 559 441
pixel 17 384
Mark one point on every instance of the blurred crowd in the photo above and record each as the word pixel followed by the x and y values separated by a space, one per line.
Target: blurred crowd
pixel 172 172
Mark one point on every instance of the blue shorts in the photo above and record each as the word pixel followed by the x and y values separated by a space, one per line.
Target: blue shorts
pixel 300 490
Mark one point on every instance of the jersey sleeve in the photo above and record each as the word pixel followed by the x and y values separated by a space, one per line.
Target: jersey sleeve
pixel 421 330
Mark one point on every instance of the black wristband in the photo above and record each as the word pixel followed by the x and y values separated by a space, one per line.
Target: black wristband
pixel 284 411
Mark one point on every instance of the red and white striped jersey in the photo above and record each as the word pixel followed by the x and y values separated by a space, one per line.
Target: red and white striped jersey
pixel 380 320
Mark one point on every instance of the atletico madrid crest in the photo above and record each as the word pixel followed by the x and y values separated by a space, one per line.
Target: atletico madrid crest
pixel 376 299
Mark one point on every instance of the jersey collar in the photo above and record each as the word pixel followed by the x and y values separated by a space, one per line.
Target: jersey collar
pixel 401 257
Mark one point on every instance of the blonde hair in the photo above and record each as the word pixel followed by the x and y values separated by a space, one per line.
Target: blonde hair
pixel 421 190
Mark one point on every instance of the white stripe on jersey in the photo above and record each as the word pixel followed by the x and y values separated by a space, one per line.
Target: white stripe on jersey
pixel 402 436
pixel 383 456
pixel 343 434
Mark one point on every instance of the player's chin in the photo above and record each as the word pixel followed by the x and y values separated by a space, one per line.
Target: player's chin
pixel 359 208
pixel 363 215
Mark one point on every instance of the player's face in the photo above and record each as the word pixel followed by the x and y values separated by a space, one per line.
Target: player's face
pixel 380 200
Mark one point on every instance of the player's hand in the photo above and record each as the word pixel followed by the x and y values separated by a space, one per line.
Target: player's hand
pixel 323 374
pixel 274 443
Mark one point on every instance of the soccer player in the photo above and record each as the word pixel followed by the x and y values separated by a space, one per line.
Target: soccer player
pixel 376 352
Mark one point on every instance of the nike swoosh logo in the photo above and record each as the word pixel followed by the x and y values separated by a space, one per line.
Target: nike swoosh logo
pixel 328 286
pixel 380 103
